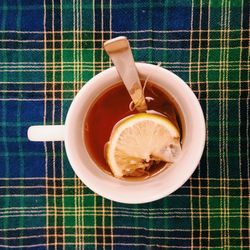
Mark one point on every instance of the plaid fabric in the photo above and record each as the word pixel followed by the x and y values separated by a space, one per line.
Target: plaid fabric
pixel 49 50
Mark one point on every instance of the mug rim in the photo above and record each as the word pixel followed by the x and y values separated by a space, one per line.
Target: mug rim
pixel 142 67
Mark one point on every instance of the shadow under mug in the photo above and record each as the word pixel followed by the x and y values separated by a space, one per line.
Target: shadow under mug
pixel 112 188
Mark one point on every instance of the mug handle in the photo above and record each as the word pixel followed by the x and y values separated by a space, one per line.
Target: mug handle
pixel 46 133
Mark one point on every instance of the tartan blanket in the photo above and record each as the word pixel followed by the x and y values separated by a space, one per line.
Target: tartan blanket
pixel 49 50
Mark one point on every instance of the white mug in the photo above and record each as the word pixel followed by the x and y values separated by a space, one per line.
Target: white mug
pixel 110 187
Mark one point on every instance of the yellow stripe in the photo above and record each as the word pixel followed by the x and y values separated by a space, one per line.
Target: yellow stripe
pixel 207 130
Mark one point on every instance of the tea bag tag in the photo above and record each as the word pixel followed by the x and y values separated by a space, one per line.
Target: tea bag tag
pixel 121 55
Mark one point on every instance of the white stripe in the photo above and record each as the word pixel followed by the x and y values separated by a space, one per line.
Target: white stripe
pixel 121 31
pixel 115 235
pixel 70 214
pixel 138 48
pixel 122 244
pixel 126 210
pixel 44 117
pixel 150 39
pixel 65 63
pixel 72 195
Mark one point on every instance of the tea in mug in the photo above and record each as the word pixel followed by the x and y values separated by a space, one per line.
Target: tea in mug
pixel 113 105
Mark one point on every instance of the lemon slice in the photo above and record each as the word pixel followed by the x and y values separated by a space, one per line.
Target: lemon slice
pixel 138 140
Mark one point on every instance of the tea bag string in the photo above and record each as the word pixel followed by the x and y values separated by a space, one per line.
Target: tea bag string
pixel 132 105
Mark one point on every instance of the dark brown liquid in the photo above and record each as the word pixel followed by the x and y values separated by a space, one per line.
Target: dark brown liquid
pixel 110 107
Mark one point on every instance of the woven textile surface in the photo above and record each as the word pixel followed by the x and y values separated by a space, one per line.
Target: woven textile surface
pixel 49 50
